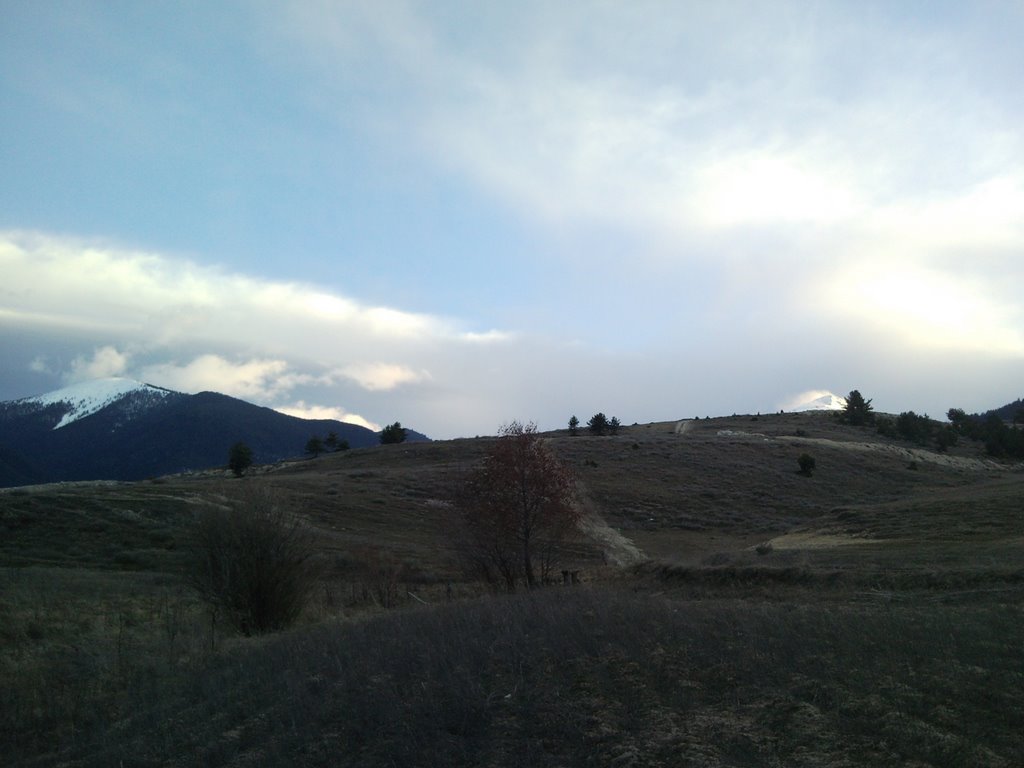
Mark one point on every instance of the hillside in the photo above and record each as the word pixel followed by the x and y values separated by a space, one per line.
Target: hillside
pixel 733 612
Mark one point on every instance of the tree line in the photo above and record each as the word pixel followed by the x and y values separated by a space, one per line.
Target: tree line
pixel 599 424
pixel 1001 439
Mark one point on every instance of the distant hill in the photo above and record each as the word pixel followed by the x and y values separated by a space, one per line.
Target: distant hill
pixel 119 429
pixel 1008 411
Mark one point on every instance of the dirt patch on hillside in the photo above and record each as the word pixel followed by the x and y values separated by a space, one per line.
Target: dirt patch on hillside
pixel 618 550
pixel 684 426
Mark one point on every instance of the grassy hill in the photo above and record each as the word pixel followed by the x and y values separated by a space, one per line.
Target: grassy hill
pixel 733 612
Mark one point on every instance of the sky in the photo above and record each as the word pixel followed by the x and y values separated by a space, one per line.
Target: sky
pixel 459 214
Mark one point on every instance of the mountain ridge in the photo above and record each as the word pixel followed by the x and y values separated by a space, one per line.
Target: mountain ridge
pixel 121 429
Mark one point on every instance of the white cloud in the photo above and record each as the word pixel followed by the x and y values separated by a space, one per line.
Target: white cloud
pixel 191 328
pixel 40 364
pixel 771 188
pixel 487 337
pixel 78 284
pixel 736 188
pixel 382 376
pixel 251 379
pixel 928 309
pixel 105 361
pixel 304 411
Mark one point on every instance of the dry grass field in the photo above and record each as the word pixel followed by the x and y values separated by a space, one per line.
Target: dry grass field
pixel 733 613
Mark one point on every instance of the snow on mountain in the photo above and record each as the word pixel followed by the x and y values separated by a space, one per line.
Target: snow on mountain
pixel 817 401
pixel 88 397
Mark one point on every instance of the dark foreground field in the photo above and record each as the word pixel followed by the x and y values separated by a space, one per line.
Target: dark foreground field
pixel 734 613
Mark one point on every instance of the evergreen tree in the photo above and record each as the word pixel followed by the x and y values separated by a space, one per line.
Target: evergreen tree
pixel 315 446
pixel 393 433
pixel 598 424
pixel 857 411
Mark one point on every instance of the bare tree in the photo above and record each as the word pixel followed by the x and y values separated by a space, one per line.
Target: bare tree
pixel 516 509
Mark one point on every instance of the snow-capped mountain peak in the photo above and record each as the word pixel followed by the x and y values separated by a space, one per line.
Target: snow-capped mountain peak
pixel 88 397
pixel 817 401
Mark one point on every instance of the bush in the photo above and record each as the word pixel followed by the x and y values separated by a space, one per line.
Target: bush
pixel 807 464
pixel 239 458
pixel 252 561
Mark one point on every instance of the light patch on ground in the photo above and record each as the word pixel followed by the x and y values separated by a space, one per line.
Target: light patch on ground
pixel 815 540
pixel 618 550
pixel 908 454
pixel 684 426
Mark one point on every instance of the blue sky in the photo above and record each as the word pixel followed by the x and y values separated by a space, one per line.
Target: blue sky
pixel 457 214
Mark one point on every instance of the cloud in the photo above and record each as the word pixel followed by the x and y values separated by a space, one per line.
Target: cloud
pixel 717 117
pixel 105 362
pixel 776 149
pixel 40 364
pixel 78 284
pixel 190 327
pixel 382 376
pixel 772 188
pixel 304 411
pixel 929 309
pixel 732 193
pixel 257 379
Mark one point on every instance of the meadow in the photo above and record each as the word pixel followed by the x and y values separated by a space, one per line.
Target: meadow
pixel 732 613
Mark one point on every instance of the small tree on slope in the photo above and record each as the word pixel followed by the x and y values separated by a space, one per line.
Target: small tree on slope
pixel 515 509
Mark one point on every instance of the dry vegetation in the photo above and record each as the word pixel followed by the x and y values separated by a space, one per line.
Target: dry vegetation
pixel 868 615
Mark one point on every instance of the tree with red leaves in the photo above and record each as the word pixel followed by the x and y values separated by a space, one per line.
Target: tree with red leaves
pixel 516 509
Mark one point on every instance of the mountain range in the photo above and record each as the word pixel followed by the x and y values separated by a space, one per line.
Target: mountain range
pixel 120 429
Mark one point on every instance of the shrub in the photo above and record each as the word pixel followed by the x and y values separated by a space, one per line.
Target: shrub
pixel 239 458
pixel 945 438
pixel 807 464
pixel 251 561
